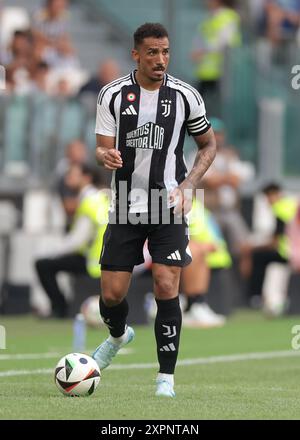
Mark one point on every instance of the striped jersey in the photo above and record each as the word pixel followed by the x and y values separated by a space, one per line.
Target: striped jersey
pixel 149 127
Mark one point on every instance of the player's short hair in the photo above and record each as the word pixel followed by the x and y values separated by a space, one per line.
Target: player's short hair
pixel 272 187
pixel 155 30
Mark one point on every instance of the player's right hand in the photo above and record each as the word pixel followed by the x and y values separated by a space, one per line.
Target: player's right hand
pixel 112 159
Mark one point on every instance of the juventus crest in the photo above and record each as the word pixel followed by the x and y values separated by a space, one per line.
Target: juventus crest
pixel 166 104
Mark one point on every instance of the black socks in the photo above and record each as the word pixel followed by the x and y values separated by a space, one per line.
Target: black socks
pixel 167 328
pixel 167 333
pixel 114 317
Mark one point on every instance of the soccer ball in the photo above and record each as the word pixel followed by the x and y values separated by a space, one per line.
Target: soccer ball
pixel 77 374
pixel 90 310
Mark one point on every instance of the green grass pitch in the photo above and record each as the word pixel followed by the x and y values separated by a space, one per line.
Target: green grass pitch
pixel 263 382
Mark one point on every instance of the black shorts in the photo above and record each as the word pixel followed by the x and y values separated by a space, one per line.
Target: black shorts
pixel 123 245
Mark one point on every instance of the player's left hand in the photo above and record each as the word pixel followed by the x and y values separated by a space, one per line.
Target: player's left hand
pixel 183 197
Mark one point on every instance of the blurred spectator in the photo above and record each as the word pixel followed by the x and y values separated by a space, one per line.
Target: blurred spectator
pixel 255 12
pixel 51 22
pixel 282 20
pixel 40 77
pixel 79 250
pixel 278 247
pixel 63 56
pixel 20 62
pixel 54 46
pixel 294 240
pixel 20 48
pixel 62 88
pixel 221 183
pixel 209 252
pixel 108 71
pixel 12 19
pixel 216 33
pixel 76 154
pixel 65 82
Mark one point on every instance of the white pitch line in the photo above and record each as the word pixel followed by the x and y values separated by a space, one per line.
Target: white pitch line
pixel 25 356
pixel 29 356
pixel 11 373
pixel 184 362
pixel 216 359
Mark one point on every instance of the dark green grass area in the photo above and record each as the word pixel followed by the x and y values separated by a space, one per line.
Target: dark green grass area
pixel 248 389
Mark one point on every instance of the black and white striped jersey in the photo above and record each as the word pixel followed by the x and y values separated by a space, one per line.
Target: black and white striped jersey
pixel 149 127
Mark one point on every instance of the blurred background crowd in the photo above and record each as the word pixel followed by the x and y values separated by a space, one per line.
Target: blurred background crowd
pixel 240 55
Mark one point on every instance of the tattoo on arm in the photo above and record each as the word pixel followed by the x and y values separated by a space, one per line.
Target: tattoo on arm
pixel 204 158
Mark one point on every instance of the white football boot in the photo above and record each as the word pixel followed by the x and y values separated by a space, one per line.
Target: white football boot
pixel 104 354
pixel 202 316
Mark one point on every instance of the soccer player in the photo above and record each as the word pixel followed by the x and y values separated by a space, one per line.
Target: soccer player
pixel 140 127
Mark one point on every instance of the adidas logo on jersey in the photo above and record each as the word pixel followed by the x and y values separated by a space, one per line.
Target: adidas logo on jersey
pixel 169 347
pixel 129 111
pixel 175 256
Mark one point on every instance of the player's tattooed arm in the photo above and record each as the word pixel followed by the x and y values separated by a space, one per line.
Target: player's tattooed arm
pixel 106 153
pixel 206 153
pixel 183 194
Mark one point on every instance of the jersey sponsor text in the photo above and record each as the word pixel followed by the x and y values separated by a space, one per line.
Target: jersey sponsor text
pixel 149 136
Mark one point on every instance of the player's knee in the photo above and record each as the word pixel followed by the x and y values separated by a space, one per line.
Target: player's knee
pixel 164 288
pixel 111 299
pixel 114 288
